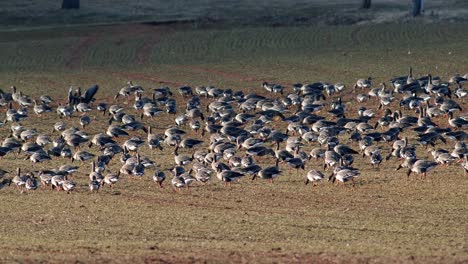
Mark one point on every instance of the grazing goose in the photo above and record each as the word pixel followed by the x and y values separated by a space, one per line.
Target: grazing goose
pixel 133 144
pixel 82 156
pixel 40 109
pixel 20 180
pixel 343 175
pixel 68 185
pixel 457 122
pixel 421 167
pixel 159 177
pixel 116 131
pixel 314 176
pixel 178 182
pixel 228 176
pixel 269 173
pixel 94 185
pixel 363 83
pixel 85 121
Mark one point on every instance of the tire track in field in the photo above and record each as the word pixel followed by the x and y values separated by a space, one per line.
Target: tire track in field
pixel 76 52
pixel 155 33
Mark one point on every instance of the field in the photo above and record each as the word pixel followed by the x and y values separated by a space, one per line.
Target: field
pixel 384 219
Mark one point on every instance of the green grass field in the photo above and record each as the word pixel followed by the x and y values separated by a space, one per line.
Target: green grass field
pixel 384 219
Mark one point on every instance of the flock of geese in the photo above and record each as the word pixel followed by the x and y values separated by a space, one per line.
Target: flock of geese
pixel 231 135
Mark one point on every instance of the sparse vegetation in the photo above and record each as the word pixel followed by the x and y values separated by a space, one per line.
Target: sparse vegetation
pixel 385 218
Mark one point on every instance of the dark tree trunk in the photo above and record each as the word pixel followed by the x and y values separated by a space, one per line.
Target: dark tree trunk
pixel 70 4
pixel 417 7
pixel 366 4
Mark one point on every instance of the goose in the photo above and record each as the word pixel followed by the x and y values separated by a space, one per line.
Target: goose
pixel 444 158
pixel 317 153
pixel 75 140
pixel 60 126
pixel 82 156
pixel 138 169
pixel 30 148
pixel 116 131
pixel 190 143
pixel 31 182
pixel 344 150
pixel 295 163
pixel 313 176
pixel 421 167
pixel 430 138
pixel 260 151
pixel 282 155
pixel 449 106
pixel 376 158
pixel 162 92
pixel 28 134
pixel 133 144
pixel 159 177
pixel 102 107
pixel 203 175
pixel 363 83
pixel 68 185
pixel 343 175
pixel 46 177
pixel 178 182
pixel 57 180
pixel 85 121
pixel 69 169
pixel 228 176
pixel 150 110
pixel 331 158
pixel 185 91
pixel 154 141
pixel 43 140
pixel 20 180
pixel 273 88
pixel 128 90
pixel 40 109
pixel 94 185
pixel 182 160
pixel 38 157
pixel 460 92
pixel 82 107
pixel 101 140
pixel 64 111
pixel 134 126
pixel 457 79
pixel 457 122
pixel 268 173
